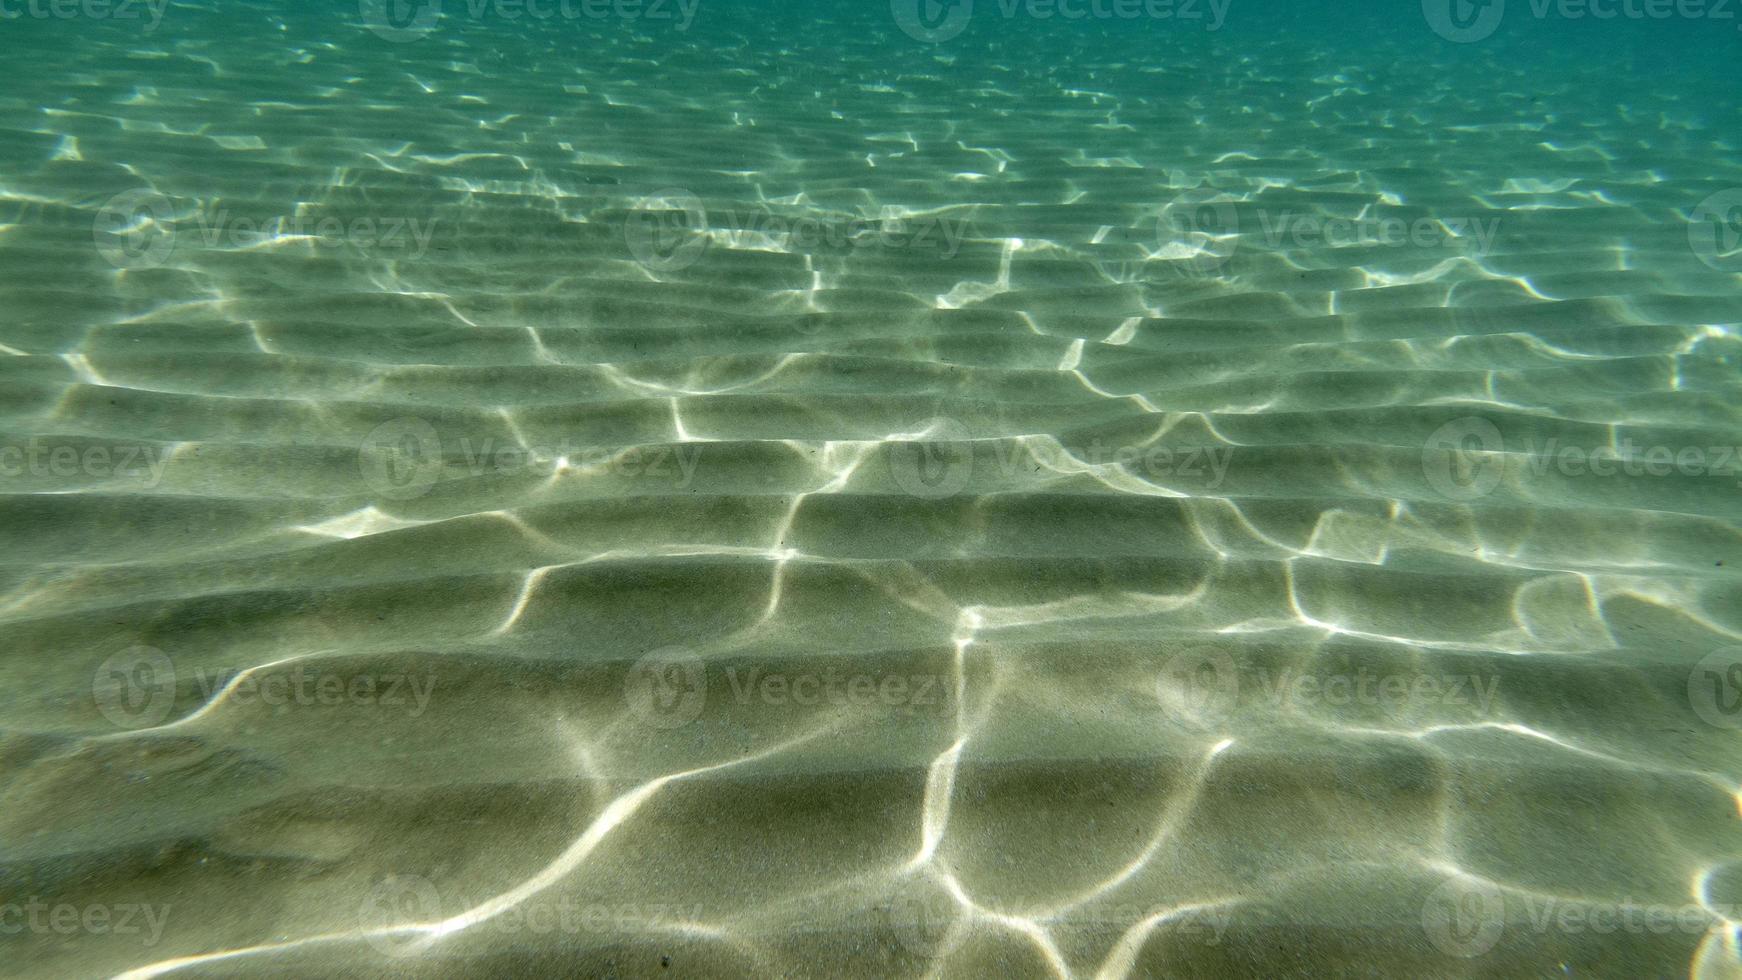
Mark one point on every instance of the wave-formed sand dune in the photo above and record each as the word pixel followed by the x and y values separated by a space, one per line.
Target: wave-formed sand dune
pixel 591 498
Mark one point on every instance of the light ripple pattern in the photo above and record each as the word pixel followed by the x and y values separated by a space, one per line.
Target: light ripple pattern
pixel 783 492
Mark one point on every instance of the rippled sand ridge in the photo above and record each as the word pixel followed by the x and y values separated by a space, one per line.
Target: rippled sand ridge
pixel 774 492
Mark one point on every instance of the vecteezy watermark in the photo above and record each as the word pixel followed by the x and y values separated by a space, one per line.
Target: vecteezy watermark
pixel 936 21
pixel 392 913
pixel 404 458
pixel 1390 693
pixel 141 229
pixel 398 905
pixel 1204 683
pixel 1201 924
pixel 150 11
pixel 667 231
pixel 135 229
pixel 411 235
pixel 941 462
pixel 36 457
pixel 47 918
pixel 667 688
pixel 409 20
pixel 325 687
pixel 1715 688
pixel 670 230
pixel 1463 459
pixel 1285 228
pixel 1463 21
pixel 1466 459
pixel 1468 21
pixel 136 688
pixel 1467 917
pixel 1199 231
pixel 1715 231
pixel 939 465
pixel 920 915
pixel 670 688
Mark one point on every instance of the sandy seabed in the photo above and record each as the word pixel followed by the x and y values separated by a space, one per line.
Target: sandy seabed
pixel 600 499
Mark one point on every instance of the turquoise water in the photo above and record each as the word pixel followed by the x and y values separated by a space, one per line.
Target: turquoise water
pixel 700 489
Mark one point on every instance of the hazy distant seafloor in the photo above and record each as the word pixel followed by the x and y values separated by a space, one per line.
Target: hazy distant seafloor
pixel 320 696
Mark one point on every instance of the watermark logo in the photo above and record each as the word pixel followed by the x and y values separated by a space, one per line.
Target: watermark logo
pixel 1715 231
pixel 1199 684
pixel 939 461
pixel 1464 917
pixel 1464 21
pixel 135 688
pixel 1198 235
pixel 667 231
pixel 400 20
pixel 667 688
pixel 807 233
pixel 397 915
pixel 394 904
pixel 1471 236
pixel 1202 925
pixel 1207 684
pixel 1462 458
pixel 936 466
pixel 936 21
pixel 135 229
pixel 401 459
pixel 832 687
pixel 142 464
pixel 1468 21
pixel 321 229
pixel 150 10
pixel 138 229
pixel 305 686
pixel 932 21
pixel 920 916
pixel 1715 689
pixel 43 918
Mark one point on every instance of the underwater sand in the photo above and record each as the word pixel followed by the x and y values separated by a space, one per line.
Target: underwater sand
pixel 779 498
